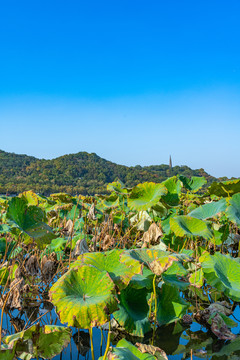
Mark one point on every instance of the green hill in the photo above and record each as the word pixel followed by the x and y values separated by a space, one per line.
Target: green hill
pixel 78 173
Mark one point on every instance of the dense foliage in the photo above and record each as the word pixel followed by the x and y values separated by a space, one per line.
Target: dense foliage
pixel 80 173
pixel 138 261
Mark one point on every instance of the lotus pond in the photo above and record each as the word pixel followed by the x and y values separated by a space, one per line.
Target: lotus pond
pixel 149 272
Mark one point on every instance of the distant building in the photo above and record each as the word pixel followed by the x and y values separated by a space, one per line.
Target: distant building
pixel 170 163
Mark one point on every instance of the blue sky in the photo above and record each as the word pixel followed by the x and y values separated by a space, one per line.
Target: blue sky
pixel 133 81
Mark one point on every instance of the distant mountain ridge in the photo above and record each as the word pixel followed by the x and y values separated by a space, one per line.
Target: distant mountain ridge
pixel 80 173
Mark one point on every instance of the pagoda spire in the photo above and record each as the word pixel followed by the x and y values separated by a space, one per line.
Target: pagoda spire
pixel 170 162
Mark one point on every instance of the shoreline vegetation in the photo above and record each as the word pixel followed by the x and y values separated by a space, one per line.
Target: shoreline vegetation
pixel 80 173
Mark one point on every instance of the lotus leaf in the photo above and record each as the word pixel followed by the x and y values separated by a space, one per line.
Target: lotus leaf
pixel 4 228
pixel 233 211
pixel 173 186
pixel 57 245
pixel 222 272
pixel 30 219
pixel 144 280
pixel 120 271
pixel 84 297
pixel 127 351
pixel 47 341
pixel 170 305
pixel 7 353
pixel 118 187
pixel 109 201
pixel 30 197
pixel 145 195
pixel 193 184
pixel 176 275
pixel 158 261
pixel 141 220
pixel 159 210
pixel 134 310
pixel 225 188
pixel 209 210
pixel 62 198
pixel 229 349
pixel 196 278
pixel 186 225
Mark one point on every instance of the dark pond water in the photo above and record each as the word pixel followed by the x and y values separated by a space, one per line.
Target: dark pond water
pixel 176 340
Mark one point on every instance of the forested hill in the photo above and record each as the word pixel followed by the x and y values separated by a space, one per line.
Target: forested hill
pixel 80 173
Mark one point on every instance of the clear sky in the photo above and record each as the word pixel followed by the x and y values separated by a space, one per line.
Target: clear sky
pixel 131 80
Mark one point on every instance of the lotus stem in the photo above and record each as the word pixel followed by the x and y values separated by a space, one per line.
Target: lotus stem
pixel 108 342
pixel 91 340
pixel 155 300
pixel 101 341
pixel 155 307
pixel 150 305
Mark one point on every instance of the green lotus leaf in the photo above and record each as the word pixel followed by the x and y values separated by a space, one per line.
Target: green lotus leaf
pixel 228 349
pixel 57 245
pixel 109 201
pixel 170 305
pixel 46 342
pixel 197 278
pixel 222 272
pixel 224 188
pixel 193 184
pixel 120 271
pixel 7 353
pixel 144 280
pixel 159 210
pixel 233 211
pixel 209 210
pixel 30 219
pixel 127 351
pixel 176 275
pixel 184 225
pixel 158 261
pixel 84 297
pixel 174 187
pixel 145 195
pixel 4 228
pixel 118 187
pixel 133 310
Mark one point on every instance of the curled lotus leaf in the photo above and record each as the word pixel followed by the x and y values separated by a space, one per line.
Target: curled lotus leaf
pixel 46 342
pixel 233 211
pixel 84 297
pixel 30 219
pixel 133 310
pixel 119 271
pixel 108 201
pixel 224 188
pixel 184 225
pixel 222 272
pixel 118 187
pixel 157 261
pixel 145 195
pixel 193 184
pixel 174 187
pixel 170 305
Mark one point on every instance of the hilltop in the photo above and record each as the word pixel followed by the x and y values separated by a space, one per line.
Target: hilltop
pixel 81 173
